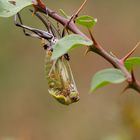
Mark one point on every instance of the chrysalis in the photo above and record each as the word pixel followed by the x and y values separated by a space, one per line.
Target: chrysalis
pixel 61 84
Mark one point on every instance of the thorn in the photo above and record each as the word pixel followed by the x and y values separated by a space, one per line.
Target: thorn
pixel 133 76
pixel 126 88
pixel 79 10
pixel 130 53
pixel 92 38
pixel 75 15
pixel 87 51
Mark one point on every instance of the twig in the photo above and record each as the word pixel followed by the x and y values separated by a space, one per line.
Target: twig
pixel 96 48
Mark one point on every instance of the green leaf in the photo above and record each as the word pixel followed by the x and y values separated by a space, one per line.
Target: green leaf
pixel 11 7
pixel 67 43
pixel 130 62
pixel 105 77
pixel 86 21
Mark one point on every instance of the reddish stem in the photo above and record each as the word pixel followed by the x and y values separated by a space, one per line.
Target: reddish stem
pixel 97 48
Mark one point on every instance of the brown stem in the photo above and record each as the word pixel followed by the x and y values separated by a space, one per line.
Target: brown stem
pixel 135 85
pixel 97 48
pixel 62 20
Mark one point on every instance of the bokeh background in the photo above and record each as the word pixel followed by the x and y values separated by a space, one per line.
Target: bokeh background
pixel 28 112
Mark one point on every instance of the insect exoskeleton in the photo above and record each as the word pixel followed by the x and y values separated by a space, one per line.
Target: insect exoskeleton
pixel 60 80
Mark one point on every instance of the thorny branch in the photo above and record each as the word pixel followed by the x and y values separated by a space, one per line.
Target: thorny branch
pixel 96 48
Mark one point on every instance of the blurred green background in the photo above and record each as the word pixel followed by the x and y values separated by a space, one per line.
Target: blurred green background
pixel 28 112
